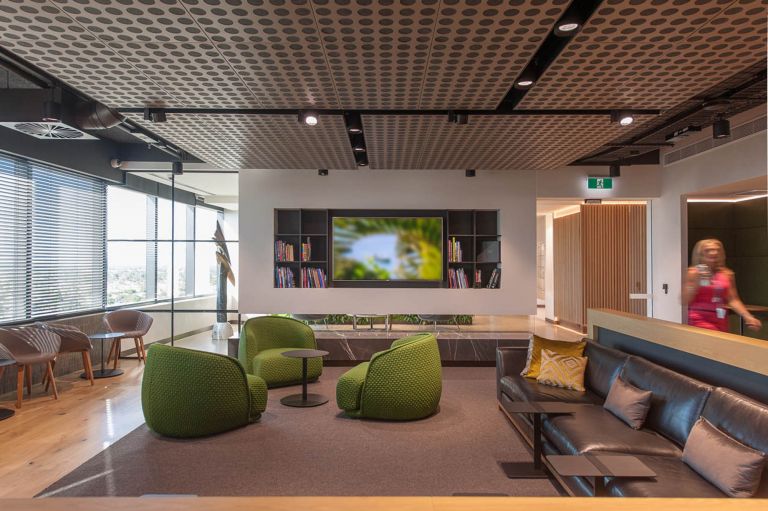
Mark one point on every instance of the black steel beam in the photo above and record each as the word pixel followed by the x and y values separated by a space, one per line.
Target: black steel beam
pixel 321 112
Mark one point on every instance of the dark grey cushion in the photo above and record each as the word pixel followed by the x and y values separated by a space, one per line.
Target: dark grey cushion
pixel 677 400
pixel 674 479
pixel 731 466
pixel 628 403
pixel 604 366
pixel 592 429
pixel 743 419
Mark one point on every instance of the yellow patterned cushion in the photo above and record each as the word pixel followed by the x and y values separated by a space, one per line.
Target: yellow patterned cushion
pixel 533 363
pixel 562 370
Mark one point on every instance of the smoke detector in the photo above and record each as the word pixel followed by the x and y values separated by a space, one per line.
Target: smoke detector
pixel 48 130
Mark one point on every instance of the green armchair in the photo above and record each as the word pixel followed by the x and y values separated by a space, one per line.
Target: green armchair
pixel 263 340
pixel 401 383
pixel 188 393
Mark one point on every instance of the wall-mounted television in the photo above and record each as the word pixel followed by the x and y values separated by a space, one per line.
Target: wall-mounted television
pixel 387 248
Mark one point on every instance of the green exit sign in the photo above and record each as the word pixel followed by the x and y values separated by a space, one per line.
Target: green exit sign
pixel 600 183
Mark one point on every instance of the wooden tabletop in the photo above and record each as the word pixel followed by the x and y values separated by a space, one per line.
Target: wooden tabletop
pixel 378 504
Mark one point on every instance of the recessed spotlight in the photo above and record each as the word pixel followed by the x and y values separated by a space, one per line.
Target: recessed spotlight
pixel 322 172
pixel 527 78
pixel 721 128
pixel 359 149
pixel 567 28
pixel 470 172
pixel 362 159
pixel 308 118
pixel 626 120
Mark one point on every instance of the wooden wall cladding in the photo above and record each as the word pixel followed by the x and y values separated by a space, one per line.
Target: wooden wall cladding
pixel 614 256
pixel 567 241
pixel 599 259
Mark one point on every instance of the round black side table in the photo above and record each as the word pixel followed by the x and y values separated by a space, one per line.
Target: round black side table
pixel 5 413
pixel 304 400
pixel 103 337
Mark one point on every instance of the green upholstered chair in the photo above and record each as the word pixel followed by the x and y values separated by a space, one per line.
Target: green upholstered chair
pixel 264 339
pixel 189 393
pixel 401 383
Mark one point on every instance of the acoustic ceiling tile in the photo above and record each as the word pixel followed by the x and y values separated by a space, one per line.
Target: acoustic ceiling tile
pixel 650 54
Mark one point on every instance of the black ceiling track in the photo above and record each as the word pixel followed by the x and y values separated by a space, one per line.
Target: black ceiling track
pixel 321 112
pixel 549 50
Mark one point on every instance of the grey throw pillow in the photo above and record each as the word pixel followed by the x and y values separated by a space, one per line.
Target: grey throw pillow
pixel 628 403
pixel 723 461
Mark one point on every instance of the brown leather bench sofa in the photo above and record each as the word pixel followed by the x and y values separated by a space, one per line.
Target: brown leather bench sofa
pixel 676 404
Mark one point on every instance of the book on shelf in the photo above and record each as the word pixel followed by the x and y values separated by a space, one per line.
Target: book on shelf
pixel 455 254
pixel 313 277
pixel 284 277
pixel 306 251
pixel 493 281
pixel 478 277
pixel 457 278
pixel 284 251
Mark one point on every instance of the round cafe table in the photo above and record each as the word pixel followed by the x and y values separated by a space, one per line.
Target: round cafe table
pixel 304 400
pixel 5 413
pixel 103 337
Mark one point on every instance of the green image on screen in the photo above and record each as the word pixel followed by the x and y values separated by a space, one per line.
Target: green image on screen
pixel 387 248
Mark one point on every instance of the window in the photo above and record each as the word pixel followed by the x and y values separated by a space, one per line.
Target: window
pixel 51 241
pixel 139 248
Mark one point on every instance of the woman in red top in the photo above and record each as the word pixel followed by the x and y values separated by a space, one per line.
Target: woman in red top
pixel 710 287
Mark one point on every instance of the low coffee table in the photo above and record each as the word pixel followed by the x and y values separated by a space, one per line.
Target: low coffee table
pixel 600 466
pixel 535 469
pixel 5 413
pixel 304 400
pixel 103 337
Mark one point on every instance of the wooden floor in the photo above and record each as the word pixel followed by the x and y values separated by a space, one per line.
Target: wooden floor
pixel 48 438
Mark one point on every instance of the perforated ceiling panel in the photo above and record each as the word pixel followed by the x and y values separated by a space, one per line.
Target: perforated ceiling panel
pixel 488 142
pixel 430 54
pixel 652 54
pixel 264 141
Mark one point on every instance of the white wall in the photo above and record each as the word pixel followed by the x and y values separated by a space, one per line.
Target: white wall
pixel 512 192
pixel 636 182
pixel 736 161
pixel 549 267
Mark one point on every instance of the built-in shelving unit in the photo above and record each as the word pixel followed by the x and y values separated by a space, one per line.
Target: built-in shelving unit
pixel 306 231
pixel 476 232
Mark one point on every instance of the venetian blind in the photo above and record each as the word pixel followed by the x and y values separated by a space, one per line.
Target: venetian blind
pixel 54 251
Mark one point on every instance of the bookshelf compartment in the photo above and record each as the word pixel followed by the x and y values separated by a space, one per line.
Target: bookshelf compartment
pixel 314 248
pixel 287 221
pixel 486 223
pixel 461 222
pixel 314 221
pixel 488 249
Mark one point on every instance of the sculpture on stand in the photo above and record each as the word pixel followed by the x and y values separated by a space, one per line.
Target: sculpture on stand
pixel 222 330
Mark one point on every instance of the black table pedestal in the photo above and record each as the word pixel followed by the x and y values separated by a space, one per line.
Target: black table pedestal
pixel 104 372
pixel 304 400
pixel 527 469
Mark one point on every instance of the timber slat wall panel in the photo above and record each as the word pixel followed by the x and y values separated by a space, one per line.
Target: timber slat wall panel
pixel 567 240
pixel 614 256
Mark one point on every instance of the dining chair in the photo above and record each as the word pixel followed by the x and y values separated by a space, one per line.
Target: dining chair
pixel 73 340
pixel 132 324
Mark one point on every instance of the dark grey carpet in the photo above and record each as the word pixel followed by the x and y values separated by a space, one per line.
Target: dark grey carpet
pixel 317 451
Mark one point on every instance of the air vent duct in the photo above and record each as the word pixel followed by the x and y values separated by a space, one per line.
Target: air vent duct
pixel 95 116
pixel 48 130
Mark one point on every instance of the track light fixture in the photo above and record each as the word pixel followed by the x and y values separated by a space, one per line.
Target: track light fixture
pixel 154 115
pixel 308 118
pixel 469 172
pixel 457 118
pixel 363 161
pixel 623 117
pixel 51 111
pixel 614 170
pixel 527 78
pixel 354 123
pixel 721 128
pixel 177 168
pixel 322 172
pixel 567 27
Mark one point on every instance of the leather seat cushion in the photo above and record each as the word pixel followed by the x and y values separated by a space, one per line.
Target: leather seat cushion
pixel 603 367
pixel 673 479
pixel 592 428
pixel 520 388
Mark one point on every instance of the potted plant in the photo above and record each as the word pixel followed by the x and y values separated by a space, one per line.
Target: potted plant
pixel 222 330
